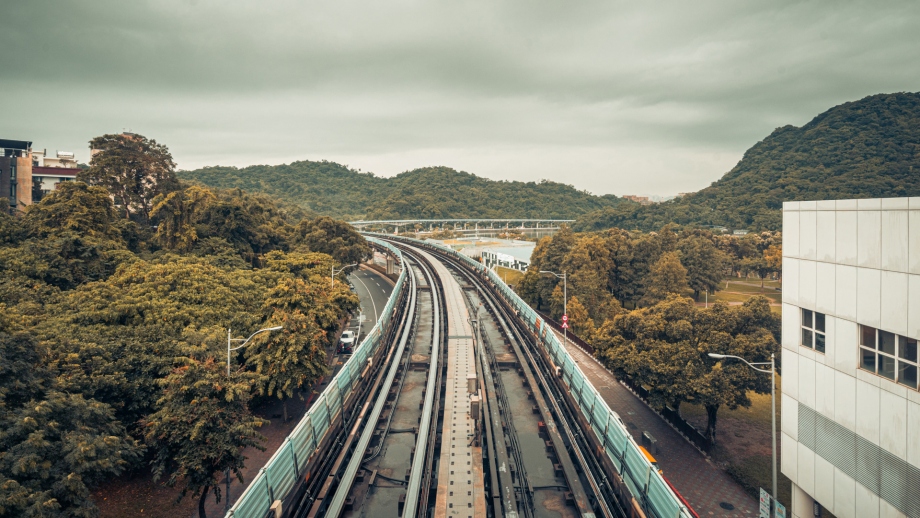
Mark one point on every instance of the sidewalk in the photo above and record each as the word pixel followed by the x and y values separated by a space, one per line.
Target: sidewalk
pixel 703 485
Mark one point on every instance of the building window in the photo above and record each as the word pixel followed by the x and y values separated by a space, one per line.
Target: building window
pixel 813 335
pixel 888 355
pixel 12 171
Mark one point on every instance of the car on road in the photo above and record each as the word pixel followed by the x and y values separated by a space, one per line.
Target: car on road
pixel 347 342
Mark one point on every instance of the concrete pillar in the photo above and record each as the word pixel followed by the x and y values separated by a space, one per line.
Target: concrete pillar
pixel 803 505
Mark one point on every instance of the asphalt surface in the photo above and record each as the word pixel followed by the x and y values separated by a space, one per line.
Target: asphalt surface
pixel 373 290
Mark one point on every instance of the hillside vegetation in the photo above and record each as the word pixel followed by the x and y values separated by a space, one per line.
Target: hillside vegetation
pixel 864 149
pixel 431 192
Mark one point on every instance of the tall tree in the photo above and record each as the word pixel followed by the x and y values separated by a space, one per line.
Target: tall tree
pixel 309 310
pixel 133 168
pixel 54 446
pixel 705 263
pixel 665 347
pixel 579 321
pixel 177 213
pixel 773 255
pixel 332 237
pixel 667 276
pixel 202 425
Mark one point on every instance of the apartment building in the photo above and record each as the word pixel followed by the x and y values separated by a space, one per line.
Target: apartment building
pixel 16 173
pixel 50 171
pixel 851 320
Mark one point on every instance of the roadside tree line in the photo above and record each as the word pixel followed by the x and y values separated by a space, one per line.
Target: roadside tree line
pixel 116 293
pixel 631 295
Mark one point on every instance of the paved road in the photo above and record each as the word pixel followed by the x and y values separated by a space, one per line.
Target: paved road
pixel 703 485
pixel 374 290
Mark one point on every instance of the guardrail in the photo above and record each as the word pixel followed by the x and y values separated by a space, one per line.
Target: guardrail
pixel 644 481
pixel 283 469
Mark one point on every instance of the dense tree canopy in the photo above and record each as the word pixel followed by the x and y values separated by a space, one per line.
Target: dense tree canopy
pixel 665 348
pixel 113 330
pixel 431 192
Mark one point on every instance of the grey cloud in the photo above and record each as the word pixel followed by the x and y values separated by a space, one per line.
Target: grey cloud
pixel 600 84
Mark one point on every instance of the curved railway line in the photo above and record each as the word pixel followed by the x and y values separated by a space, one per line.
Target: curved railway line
pixel 457 404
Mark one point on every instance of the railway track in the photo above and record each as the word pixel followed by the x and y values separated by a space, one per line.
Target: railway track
pixel 465 410
pixel 585 477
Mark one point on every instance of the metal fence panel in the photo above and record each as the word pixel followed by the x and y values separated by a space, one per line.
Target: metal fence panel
pixel 280 473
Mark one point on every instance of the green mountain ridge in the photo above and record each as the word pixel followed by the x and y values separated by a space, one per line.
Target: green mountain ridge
pixel 431 192
pixel 862 149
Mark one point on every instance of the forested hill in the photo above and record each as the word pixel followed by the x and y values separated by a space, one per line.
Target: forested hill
pixel 864 149
pixel 432 192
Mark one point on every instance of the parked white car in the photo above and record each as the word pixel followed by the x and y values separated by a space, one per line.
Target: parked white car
pixel 347 342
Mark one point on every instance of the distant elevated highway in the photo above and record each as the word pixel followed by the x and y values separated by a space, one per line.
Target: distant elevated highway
pixel 472 226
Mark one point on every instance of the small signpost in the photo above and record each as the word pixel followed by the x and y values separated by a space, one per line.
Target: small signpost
pixel 779 512
pixel 565 321
pixel 764 504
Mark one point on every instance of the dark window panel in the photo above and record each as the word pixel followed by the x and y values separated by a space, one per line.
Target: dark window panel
pixel 867 361
pixel 807 339
pixel 806 318
pixel 907 348
pixel 819 342
pixel 819 322
pixel 868 336
pixel 886 342
pixel 907 374
pixel 886 366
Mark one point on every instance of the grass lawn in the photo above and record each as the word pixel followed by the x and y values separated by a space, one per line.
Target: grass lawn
pixel 748 287
pixel 508 275
pixel 775 297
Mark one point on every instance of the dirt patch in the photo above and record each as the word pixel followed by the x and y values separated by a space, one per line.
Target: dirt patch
pixel 139 495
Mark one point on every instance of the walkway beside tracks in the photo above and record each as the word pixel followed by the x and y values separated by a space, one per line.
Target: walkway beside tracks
pixel 460 477
pixel 703 485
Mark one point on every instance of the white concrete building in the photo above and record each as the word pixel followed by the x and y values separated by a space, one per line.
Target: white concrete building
pixel 851 320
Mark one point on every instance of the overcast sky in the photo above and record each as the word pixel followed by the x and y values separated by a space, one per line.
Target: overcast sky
pixel 612 97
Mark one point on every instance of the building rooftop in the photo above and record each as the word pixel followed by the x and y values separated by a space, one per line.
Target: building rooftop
pixel 15 144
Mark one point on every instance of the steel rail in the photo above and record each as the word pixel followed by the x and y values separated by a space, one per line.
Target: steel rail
pixel 533 373
pixel 501 478
pixel 344 486
pixel 421 441
pixel 313 484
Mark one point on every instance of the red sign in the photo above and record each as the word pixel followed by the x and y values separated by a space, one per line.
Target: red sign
pixel 565 318
pixel 565 325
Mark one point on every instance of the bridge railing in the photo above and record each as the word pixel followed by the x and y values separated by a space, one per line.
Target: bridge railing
pixel 277 478
pixel 644 481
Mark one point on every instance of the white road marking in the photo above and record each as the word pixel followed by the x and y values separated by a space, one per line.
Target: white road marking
pixel 370 296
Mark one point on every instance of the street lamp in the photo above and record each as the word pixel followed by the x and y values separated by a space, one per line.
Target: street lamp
pixel 340 271
pixel 229 350
pixel 245 342
pixel 772 373
pixel 565 304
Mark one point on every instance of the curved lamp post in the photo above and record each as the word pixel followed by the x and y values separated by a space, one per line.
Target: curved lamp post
pixel 245 342
pixel 229 350
pixel 339 271
pixel 772 373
